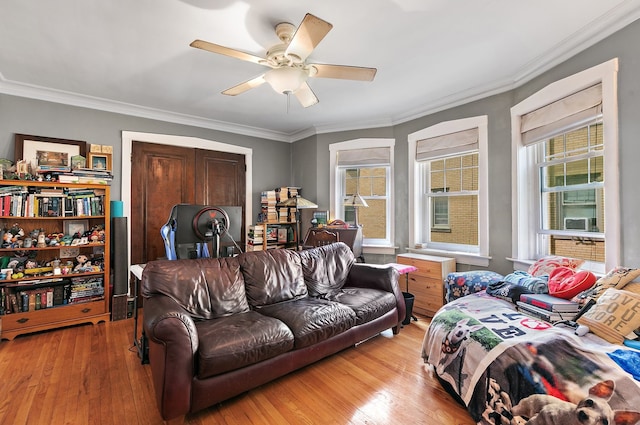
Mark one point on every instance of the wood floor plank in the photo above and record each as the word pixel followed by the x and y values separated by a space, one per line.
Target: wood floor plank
pixel 91 374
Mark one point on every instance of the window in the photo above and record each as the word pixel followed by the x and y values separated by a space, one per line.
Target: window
pixel 565 151
pixel 571 174
pixel 363 168
pixel 449 193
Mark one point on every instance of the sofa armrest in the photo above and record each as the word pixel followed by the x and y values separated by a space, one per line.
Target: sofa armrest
pixel 173 342
pixel 373 276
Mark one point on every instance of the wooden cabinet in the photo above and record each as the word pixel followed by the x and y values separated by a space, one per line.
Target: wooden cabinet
pixel 52 225
pixel 427 283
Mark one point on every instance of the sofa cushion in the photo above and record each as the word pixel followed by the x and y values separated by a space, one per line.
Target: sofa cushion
pixel 326 268
pixel 272 276
pixel 229 343
pixel 312 319
pixel 205 287
pixel 368 304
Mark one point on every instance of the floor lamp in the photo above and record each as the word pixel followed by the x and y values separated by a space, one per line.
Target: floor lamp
pixel 299 203
pixel 356 201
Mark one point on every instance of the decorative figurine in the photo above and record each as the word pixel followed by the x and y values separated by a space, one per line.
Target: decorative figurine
pixel 42 240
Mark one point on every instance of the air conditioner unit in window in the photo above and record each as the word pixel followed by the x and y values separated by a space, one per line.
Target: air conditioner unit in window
pixel 577 223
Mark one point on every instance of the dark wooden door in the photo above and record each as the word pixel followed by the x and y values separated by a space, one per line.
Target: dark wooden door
pixel 162 176
pixel 220 178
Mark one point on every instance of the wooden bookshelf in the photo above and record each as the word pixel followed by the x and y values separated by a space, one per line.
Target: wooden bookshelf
pixel 41 286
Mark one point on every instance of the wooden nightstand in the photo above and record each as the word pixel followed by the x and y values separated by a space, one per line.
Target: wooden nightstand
pixel 427 283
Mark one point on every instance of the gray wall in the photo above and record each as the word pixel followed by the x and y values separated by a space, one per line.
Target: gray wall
pixel 271 159
pixel 306 162
pixel 622 45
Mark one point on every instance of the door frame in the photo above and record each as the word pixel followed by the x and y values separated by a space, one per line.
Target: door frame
pixel 128 137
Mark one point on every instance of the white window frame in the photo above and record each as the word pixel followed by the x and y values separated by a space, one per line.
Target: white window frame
pixel 525 193
pixel 376 246
pixel 481 257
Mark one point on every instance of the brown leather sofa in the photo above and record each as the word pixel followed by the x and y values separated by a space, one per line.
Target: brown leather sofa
pixel 218 327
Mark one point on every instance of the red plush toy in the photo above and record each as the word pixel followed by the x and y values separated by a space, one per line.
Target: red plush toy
pixel 567 283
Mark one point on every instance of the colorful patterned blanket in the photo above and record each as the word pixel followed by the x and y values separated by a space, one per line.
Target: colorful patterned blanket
pixel 508 368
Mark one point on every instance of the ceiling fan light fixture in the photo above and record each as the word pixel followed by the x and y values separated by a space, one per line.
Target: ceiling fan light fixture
pixel 286 79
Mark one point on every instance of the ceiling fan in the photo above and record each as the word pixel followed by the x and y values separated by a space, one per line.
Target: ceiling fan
pixel 287 60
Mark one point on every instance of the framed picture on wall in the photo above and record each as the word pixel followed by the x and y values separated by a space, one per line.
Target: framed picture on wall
pixel 99 161
pixel 47 153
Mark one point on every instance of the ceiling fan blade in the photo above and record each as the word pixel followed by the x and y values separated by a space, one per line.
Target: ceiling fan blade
pixel 343 72
pixel 216 48
pixel 243 87
pixel 308 35
pixel 306 96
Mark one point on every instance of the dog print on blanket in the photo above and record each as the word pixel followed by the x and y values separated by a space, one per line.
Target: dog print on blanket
pixel 543 409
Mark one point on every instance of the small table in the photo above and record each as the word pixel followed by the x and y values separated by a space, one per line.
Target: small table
pixel 404 269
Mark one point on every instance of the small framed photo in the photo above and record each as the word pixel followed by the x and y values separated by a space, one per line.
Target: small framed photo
pixel 321 218
pixel 78 161
pixel 99 161
pixel 71 227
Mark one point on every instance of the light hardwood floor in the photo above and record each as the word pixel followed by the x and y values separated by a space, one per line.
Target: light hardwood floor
pixel 90 374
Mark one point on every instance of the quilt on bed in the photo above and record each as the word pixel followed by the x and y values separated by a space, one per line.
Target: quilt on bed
pixel 508 368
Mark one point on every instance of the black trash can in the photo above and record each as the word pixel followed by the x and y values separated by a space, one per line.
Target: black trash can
pixel 408 302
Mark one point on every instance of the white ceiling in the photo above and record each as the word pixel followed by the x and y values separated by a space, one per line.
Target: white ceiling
pixel 133 56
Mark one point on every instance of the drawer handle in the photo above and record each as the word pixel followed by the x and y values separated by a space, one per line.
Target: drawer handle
pixel 22 321
pixel 86 310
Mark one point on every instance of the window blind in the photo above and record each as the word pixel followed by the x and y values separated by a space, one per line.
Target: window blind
pixel 368 156
pixel 447 144
pixel 561 116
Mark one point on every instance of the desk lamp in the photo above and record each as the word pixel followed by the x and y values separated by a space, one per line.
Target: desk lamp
pixel 356 201
pixel 299 203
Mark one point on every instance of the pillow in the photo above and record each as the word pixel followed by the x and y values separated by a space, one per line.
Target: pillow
pixel 616 278
pixel 545 265
pixel 567 283
pixel 614 316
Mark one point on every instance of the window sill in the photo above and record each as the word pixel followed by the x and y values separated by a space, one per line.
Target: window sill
pixel 523 265
pixel 379 249
pixel 461 257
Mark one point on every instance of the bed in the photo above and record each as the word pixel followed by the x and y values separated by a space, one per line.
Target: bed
pixel 508 368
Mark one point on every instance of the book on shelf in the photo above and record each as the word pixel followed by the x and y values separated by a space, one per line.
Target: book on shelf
pixel 541 313
pixel 550 303
pixel 283 234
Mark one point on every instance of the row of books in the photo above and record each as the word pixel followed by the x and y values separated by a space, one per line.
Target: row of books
pixel 279 234
pixel 285 192
pixel 86 175
pixel 547 307
pixel 20 202
pixel 54 292
pixel 269 202
pixel 271 209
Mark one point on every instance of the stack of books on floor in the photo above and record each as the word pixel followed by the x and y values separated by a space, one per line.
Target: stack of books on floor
pixel 255 238
pixel 547 307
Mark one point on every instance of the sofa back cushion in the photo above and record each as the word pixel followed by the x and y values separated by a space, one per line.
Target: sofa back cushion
pixel 326 268
pixel 272 276
pixel 206 287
